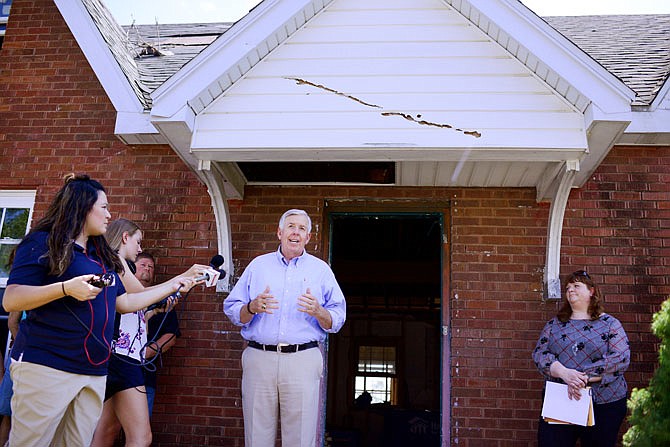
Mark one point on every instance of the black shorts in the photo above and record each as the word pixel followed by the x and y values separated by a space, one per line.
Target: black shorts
pixel 124 373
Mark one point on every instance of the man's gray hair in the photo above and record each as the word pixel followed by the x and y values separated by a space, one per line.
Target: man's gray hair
pixel 296 212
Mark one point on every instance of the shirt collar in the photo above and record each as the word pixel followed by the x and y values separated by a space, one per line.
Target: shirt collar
pixel 90 248
pixel 284 261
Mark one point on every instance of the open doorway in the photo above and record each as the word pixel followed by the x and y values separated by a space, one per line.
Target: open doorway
pixel 384 366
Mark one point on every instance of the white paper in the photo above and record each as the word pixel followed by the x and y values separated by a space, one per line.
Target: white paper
pixel 557 404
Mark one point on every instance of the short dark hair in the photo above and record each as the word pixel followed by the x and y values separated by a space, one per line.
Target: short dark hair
pixel 146 255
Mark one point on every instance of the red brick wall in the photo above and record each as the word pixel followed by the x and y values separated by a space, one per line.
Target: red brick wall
pixel 615 227
pixel 55 118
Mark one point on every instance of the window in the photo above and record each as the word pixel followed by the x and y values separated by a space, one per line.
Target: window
pixel 376 374
pixel 5 6
pixel 16 209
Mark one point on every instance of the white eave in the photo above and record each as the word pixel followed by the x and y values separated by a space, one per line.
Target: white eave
pixel 650 125
pixel 99 56
pixel 603 99
pixel 248 41
pixel 557 61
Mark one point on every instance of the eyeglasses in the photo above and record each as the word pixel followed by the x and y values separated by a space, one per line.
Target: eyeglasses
pixel 581 273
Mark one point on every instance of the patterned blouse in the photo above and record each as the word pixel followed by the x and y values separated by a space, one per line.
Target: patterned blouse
pixel 132 335
pixel 597 347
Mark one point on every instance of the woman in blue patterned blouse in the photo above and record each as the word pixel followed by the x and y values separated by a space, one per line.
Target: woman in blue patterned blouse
pixel 583 346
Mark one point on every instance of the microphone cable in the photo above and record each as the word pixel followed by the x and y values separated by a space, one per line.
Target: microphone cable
pixel 107 345
pixel 90 332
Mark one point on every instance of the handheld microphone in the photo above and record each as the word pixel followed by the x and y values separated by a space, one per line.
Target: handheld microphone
pixel 216 262
pixel 210 278
pixel 203 277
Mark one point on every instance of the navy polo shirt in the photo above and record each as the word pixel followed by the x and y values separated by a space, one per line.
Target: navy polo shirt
pixel 65 334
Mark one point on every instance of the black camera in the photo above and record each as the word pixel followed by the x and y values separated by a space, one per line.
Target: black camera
pixel 102 280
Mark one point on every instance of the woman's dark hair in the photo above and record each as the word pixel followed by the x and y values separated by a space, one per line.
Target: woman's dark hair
pixel 64 220
pixel 596 307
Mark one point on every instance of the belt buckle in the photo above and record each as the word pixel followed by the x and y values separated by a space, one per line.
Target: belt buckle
pixel 281 345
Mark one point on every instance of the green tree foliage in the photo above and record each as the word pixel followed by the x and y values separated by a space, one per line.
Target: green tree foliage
pixel 650 407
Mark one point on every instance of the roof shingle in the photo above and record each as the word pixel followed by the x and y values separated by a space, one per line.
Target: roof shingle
pixel 634 48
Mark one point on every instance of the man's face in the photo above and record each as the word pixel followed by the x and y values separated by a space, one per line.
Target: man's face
pixel 145 271
pixel 294 236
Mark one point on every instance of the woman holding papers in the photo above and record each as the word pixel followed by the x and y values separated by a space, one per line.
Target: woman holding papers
pixel 582 346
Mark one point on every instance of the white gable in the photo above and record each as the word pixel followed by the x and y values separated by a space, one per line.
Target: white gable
pixel 408 80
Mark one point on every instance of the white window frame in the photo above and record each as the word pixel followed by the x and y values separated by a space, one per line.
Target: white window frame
pixel 17 199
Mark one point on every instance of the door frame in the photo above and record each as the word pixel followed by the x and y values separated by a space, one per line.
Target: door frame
pixel 404 206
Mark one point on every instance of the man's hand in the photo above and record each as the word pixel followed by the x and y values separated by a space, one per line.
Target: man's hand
pixel 309 303
pixel 264 302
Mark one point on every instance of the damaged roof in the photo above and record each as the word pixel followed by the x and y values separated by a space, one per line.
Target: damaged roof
pixel 161 50
pixel 634 48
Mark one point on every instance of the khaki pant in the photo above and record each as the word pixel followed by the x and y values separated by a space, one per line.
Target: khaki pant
pixel 285 384
pixel 53 407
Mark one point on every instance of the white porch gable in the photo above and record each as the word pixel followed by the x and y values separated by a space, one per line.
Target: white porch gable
pixel 410 81
pixel 455 92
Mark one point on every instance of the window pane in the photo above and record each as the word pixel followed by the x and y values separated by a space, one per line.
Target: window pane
pixel 5 250
pixel 15 223
pixel 379 388
pixel 359 385
pixel 376 359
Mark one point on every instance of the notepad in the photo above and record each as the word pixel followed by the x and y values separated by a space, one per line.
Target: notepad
pixel 558 408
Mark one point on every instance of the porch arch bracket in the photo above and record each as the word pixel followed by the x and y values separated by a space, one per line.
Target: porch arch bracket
pixel 564 181
pixel 215 187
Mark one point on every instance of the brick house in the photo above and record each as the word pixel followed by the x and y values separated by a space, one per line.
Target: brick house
pixel 458 158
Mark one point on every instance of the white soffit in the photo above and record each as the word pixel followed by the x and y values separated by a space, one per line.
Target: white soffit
pixel 651 126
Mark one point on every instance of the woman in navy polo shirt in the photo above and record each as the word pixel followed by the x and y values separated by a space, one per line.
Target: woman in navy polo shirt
pixel 59 358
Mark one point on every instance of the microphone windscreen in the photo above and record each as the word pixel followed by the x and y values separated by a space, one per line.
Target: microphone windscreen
pixel 216 261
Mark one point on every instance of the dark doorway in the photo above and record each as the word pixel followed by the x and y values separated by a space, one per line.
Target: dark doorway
pixel 384 366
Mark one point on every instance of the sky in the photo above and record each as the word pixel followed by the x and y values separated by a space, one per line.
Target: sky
pixel 203 11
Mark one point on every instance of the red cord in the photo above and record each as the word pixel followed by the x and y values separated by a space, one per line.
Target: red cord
pixel 104 327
